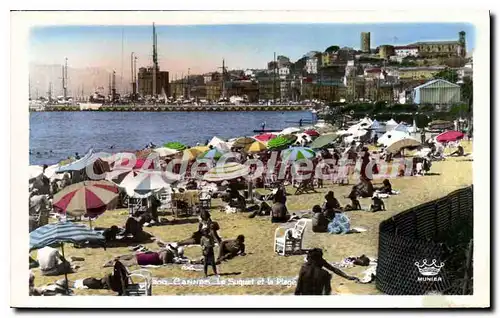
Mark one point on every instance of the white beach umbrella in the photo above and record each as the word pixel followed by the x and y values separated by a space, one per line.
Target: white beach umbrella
pixel 165 152
pixel 218 143
pixel 392 136
pixel 148 182
pixel 289 131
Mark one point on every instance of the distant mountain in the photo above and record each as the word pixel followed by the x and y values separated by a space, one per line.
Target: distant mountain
pixel 91 78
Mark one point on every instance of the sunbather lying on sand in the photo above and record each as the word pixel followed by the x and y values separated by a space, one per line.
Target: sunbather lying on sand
pixel 166 255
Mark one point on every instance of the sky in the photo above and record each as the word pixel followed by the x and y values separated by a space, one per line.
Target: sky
pixel 201 48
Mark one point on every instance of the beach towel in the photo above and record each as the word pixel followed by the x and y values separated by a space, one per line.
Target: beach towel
pixel 230 210
pixel 369 274
pixel 193 267
pixel 341 224
pixel 78 284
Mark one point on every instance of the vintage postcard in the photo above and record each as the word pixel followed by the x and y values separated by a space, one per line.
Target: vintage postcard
pixel 206 157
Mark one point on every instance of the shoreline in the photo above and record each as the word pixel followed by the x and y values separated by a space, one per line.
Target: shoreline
pixel 176 108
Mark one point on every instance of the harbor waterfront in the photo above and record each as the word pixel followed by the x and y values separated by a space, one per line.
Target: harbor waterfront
pixel 175 108
pixel 56 135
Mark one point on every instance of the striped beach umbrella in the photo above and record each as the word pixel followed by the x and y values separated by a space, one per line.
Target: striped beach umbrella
pixel 265 137
pixel 279 142
pixel 175 145
pixel 242 142
pixel 298 153
pixel 88 198
pixel 311 132
pixel 256 147
pixel 212 154
pixel 62 232
pixel 228 171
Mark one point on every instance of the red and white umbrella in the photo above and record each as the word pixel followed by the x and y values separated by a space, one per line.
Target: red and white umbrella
pixel 449 136
pixel 311 132
pixel 265 137
pixel 89 198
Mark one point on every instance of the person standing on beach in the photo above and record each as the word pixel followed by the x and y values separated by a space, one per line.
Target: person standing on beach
pixel 207 246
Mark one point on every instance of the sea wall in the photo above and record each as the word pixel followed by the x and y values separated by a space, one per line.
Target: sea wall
pixel 181 108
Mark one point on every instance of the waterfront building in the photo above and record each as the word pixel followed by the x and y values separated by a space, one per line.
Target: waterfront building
pixel 438 92
pixel 284 72
pixel 406 51
pixel 465 72
pixel 312 65
pixel 244 88
pixel 386 51
pixel 145 80
pixel 269 87
pixel 418 73
pixel 213 90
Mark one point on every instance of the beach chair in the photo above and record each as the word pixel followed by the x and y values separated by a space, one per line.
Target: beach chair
pixel 135 206
pixel 165 198
pixel 305 186
pixel 270 181
pixel 140 283
pixel 205 200
pixel 289 240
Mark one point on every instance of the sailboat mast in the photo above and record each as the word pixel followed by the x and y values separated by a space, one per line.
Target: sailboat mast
pixel 274 78
pixel 155 61
pixel 121 71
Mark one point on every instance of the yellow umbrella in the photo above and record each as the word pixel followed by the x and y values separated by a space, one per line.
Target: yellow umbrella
pixel 191 153
pixel 200 149
pixel 255 147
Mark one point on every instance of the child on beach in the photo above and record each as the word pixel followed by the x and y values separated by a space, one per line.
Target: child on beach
pixel 207 246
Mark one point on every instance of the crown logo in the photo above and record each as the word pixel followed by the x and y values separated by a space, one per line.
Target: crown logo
pixel 431 269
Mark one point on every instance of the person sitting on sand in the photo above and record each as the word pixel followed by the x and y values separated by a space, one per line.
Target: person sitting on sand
pixel 133 227
pixel 386 187
pixel 459 152
pixel 205 222
pixel 231 248
pixel 364 189
pixel 354 205
pixel 207 247
pixel 163 256
pixel 377 204
pixel 52 263
pixel 110 233
pixel 331 205
pixel 313 279
pixel 319 221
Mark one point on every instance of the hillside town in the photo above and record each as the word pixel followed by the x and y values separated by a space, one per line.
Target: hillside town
pixel 438 72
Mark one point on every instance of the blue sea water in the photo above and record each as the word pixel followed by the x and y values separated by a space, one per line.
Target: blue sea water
pixel 65 133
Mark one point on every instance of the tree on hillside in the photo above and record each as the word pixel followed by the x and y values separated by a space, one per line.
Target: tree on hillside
pixel 298 66
pixel 332 49
pixel 447 74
